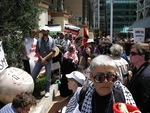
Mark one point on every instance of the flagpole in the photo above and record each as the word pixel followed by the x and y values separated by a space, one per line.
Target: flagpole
pixel 111 20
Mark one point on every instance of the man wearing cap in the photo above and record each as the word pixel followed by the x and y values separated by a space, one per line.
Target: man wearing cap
pixel 68 42
pixel 45 49
pixel 60 42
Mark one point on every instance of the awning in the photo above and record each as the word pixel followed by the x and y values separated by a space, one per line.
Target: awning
pixel 142 23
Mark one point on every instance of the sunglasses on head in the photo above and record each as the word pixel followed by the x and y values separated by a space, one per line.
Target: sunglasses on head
pixel 133 53
pixel 102 76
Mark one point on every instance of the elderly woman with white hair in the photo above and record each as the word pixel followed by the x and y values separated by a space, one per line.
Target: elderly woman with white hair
pixel 121 64
pixel 105 90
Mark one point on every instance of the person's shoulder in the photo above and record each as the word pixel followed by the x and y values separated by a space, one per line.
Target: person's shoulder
pixel 146 71
pixel 123 60
pixel 120 61
pixel 119 96
pixel 35 39
pixel 25 40
pixel 8 108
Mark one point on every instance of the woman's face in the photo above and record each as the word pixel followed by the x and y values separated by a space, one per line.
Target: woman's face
pixel 105 87
pixel 101 41
pixel 71 48
pixel 88 50
pixel 72 84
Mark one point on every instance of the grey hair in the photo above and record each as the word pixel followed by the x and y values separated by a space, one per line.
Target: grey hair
pixel 102 60
pixel 116 50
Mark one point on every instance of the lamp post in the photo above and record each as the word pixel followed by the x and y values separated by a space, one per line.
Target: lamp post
pixel 111 20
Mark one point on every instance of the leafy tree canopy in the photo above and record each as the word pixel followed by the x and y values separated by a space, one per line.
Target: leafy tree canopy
pixel 18 15
pixel 16 18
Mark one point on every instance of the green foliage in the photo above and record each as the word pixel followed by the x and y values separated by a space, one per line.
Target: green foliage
pixel 19 15
pixel 39 86
pixel 16 18
pixel 11 48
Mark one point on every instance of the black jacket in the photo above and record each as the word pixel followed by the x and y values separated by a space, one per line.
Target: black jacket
pixel 139 87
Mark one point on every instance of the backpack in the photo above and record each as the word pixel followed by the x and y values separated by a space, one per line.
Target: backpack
pixel 82 96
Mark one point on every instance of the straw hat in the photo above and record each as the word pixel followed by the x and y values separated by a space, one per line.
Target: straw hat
pixel 56 51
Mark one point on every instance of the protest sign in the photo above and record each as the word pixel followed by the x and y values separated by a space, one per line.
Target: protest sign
pixel 139 34
pixel 3 62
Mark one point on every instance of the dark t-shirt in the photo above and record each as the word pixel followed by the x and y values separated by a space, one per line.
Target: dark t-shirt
pixel 103 104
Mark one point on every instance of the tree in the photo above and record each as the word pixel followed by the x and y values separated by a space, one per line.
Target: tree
pixel 16 18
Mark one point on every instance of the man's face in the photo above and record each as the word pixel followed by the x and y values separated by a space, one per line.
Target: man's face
pixel 61 35
pixel 105 87
pixel 66 36
pixel 33 34
pixel 45 32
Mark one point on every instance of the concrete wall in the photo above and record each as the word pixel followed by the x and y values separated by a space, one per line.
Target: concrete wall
pixel 60 18
pixel 74 7
pixel 43 18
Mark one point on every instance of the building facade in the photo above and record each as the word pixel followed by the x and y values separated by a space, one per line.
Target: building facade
pixel 124 15
pixel 143 17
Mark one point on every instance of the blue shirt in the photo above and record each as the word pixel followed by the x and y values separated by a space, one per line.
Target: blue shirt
pixel 8 108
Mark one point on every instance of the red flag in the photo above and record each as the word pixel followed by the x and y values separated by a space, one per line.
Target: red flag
pixel 85 34
pixel 84 41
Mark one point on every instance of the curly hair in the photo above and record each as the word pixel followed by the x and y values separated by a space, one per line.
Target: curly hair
pixel 23 100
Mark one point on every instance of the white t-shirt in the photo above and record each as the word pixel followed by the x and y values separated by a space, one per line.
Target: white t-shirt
pixel 122 68
pixel 30 45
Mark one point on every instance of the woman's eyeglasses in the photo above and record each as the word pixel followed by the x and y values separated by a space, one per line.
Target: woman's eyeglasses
pixel 133 53
pixel 102 76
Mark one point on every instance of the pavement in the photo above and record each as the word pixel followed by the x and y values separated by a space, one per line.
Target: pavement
pixel 44 104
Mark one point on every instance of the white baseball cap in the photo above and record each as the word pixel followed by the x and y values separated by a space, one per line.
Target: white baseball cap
pixel 90 40
pixel 45 28
pixel 78 76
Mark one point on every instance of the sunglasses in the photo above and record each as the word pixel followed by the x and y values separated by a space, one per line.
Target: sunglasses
pixel 102 76
pixel 133 53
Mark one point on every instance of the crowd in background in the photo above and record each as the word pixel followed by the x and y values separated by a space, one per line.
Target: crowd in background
pixel 131 61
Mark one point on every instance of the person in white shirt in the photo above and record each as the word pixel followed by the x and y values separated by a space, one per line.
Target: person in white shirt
pixel 121 64
pixel 27 47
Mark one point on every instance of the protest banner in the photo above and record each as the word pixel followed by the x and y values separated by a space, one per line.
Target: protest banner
pixel 3 61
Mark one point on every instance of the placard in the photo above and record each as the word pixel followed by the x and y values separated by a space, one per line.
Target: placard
pixel 139 34
pixel 3 62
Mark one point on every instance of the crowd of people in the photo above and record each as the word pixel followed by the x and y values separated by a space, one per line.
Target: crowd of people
pixel 112 73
